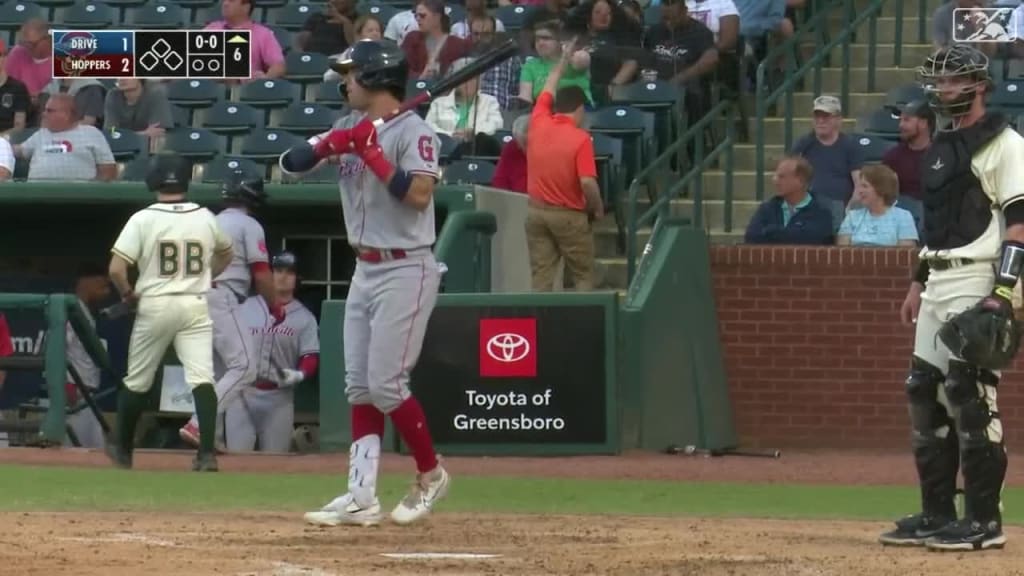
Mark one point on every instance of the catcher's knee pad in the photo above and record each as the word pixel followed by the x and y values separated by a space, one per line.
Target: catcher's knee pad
pixel 970 402
pixel 927 416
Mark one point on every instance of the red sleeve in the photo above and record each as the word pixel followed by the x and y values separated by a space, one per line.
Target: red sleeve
pixel 454 48
pixel 543 107
pixel 6 346
pixel 308 365
pixel 502 173
pixel 257 268
pixel 415 53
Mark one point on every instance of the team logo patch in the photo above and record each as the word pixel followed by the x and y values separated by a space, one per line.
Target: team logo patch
pixel 508 347
pixel 58 147
pixel 426 148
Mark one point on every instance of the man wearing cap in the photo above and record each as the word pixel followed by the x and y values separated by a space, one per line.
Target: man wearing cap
pixel 835 157
pixel 917 123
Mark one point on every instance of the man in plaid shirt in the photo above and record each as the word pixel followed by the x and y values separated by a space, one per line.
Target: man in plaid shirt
pixel 501 81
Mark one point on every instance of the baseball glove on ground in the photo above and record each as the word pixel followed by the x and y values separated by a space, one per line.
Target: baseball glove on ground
pixel 984 335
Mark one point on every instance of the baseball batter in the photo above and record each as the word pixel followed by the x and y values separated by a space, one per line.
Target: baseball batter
pixel 387 181
pixel 974 250
pixel 232 341
pixel 177 247
pixel 287 354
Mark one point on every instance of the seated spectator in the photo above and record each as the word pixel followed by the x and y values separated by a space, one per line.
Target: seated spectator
pixel 537 68
pixel 721 17
pixel 511 172
pixel 430 50
pixel 878 222
pixel 549 13
pixel 64 149
pixel 475 10
pixel 469 117
pixel 329 32
pixel 794 215
pixel 501 81
pixel 139 106
pixel 759 18
pixel 613 42
pixel 944 34
pixel 633 10
pixel 917 123
pixel 265 55
pixel 366 28
pixel 836 158
pixel 14 98
pixel 30 62
pixel 6 160
pixel 399 26
pixel 89 95
pixel 684 54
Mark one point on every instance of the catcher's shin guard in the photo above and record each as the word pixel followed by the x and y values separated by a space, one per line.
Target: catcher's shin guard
pixel 936 453
pixel 972 395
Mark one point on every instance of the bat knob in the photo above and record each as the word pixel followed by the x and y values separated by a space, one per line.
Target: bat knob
pixel 691 449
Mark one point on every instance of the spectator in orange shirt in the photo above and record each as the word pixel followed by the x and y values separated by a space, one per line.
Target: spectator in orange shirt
pixel 562 186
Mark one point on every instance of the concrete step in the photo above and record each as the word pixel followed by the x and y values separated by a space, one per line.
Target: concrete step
pixel 612 273
pixel 606 238
pixel 775 128
pixel 889 7
pixel 885 78
pixel 745 156
pixel 887 27
pixel 885 54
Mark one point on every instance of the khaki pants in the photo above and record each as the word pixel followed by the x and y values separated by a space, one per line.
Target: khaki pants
pixel 553 233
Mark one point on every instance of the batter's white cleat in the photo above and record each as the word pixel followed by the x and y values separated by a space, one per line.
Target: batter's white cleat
pixel 344 510
pixel 428 489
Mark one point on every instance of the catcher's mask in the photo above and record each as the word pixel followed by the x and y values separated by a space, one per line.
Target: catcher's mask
pixel 960 69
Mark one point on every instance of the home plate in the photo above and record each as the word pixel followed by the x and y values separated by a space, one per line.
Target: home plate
pixel 440 556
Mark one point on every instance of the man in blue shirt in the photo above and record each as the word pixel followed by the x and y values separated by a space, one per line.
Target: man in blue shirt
pixel 793 216
pixel 836 158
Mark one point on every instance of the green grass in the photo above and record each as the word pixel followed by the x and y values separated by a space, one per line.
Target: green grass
pixel 27 488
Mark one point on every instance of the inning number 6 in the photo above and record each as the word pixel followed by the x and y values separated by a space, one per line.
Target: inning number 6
pixel 238 55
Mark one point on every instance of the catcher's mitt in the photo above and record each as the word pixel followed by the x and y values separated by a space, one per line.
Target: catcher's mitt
pixel 985 336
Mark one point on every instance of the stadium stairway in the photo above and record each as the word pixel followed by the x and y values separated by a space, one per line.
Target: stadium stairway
pixel 611 269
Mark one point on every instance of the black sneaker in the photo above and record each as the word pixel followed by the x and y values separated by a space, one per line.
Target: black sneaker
pixel 969 535
pixel 913 530
pixel 205 463
pixel 120 457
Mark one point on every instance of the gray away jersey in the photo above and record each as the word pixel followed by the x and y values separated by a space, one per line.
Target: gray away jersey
pixel 250 247
pixel 280 346
pixel 373 217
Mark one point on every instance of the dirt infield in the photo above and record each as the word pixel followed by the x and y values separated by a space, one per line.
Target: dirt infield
pixel 275 544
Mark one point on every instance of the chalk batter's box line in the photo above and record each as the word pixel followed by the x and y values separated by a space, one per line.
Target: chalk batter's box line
pixel 188 49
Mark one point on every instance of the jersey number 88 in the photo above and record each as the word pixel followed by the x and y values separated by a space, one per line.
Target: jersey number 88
pixel 174 260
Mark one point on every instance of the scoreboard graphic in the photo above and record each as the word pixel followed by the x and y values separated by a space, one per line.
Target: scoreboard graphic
pixel 151 54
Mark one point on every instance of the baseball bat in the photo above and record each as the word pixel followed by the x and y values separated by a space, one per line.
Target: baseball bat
pixel 718 452
pixel 117 310
pixel 480 64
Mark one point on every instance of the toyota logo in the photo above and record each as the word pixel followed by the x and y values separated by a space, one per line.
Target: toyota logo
pixel 508 347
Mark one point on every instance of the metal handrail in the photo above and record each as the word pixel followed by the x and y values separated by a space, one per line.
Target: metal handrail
pixel 787 88
pixel 660 207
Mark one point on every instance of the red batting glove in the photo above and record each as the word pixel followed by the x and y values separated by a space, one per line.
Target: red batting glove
pixel 336 142
pixel 364 136
pixel 364 143
pixel 277 312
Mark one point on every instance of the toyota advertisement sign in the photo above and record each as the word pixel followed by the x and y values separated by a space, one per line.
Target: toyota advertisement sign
pixel 515 376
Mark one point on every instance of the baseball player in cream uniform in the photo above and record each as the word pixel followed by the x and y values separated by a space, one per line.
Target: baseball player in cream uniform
pixel 288 353
pixel 178 247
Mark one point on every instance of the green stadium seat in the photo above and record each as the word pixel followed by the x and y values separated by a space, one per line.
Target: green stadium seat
pixel 382 12
pixel 267 145
pixel 203 16
pixel 125 144
pixel 227 118
pixel 898 96
pixel 658 98
pixel 199 144
pixel 134 170
pixel 455 12
pixel 513 18
pixel 194 93
pixel 880 123
pixel 305 68
pixel 307 118
pixel 872 147
pixel 268 93
pixel 652 16
pixel 20 136
pixel 448 146
pixel 182 116
pixel 218 169
pixel 14 14
pixel 631 125
pixel 157 16
pixel 293 17
pixel 284 38
pixel 608 157
pixel 328 94
pixel 262 9
pixel 1008 96
pixel 88 15
pixel 468 172
pixel 503 136
pixel 414 87
pixel 196 4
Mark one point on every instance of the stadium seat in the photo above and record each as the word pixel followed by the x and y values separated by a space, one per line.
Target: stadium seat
pixel 838 210
pixel 305 68
pixel 203 16
pixel 872 147
pixel 608 157
pixel 14 14
pixel 629 124
pixel 88 15
pixel 182 116
pixel 307 118
pixel 652 15
pixel 292 17
pixel 503 136
pixel 218 169
pixel 415 86
pixel 881 123
pixel 916 209
pixel 382 12
pixel 268 144
pixel 326 174
pixel 196 4
pixel 199 144
pixel 997 68
pixel 658 98
pixel 512 17
pixel 284 38
pixel 455 12
pixel 468 172
pixel 134 170
pixel 900 95
pixel 268 93
pixel 194 93
pixel 263 8
pixel 1008 96
pixel 157 16
pixel 125 144
pixel 448 146
pixel 329 95
pixel 231 118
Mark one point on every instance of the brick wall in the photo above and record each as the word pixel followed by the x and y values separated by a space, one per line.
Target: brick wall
pixel 814 350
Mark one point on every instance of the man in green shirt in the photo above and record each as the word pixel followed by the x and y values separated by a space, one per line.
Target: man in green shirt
pixel 549 50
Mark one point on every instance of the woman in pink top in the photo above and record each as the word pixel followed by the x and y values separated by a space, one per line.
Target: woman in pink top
pixel 265 53
pixel 29 61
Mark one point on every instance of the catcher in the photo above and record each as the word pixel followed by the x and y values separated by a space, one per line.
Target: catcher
pixel 961 300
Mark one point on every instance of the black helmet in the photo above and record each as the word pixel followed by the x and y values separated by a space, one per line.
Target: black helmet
pixel 285 260
pixel 958 61
pixel 169 174
pixel 244 188
pixel 378 65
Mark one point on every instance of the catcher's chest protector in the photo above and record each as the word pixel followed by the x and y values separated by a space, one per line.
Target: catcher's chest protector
pixel 956 209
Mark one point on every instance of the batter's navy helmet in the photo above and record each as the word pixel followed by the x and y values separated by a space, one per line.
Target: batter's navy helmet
pixel 240 187
pixel 169 173
pixel 958 62
pixel 378 65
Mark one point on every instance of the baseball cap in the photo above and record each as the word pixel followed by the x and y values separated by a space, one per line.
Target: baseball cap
pixel 284 260
pixel 828 104
pixel 916 109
